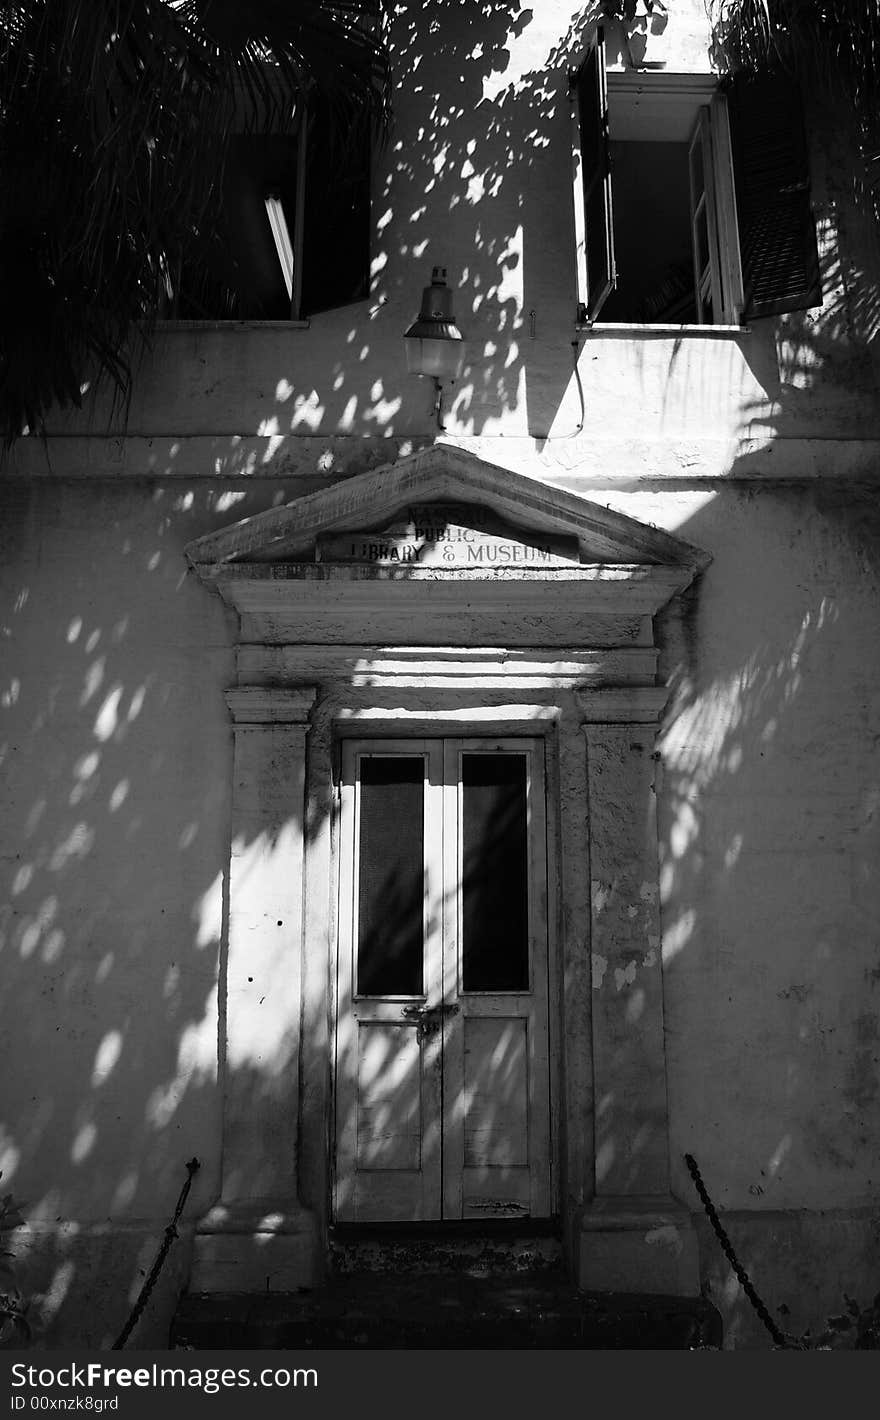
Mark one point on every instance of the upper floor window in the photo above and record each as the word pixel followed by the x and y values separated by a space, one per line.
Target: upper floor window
pixel 290 231
pixel 693 203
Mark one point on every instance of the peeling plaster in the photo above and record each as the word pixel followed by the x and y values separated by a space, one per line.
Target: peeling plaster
pixel 600 966
pixel 604 1159
pixel 635 1006
pixel 625 977
pixel 601 894
pixel 666 1236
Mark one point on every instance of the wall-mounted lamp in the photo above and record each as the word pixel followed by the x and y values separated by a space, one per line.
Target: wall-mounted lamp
pixel 434 343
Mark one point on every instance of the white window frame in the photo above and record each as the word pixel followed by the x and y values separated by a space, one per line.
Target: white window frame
pixel 672 97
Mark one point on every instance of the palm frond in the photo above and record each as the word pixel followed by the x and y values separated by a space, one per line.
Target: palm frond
pixel 115 116
pixel 832 47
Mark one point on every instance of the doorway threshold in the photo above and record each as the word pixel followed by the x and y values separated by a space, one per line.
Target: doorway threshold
pixel 458 1228
pixel 477 1248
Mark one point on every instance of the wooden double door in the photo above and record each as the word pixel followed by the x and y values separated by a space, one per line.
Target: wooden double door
pixel 442 1078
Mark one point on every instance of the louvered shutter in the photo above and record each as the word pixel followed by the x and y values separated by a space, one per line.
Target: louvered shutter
pixel 777 232
pixel 336 220
pixel 592 95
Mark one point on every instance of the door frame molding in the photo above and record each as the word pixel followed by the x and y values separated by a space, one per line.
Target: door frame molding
pixel 545 846
pixel 542 704
pixel 613 1186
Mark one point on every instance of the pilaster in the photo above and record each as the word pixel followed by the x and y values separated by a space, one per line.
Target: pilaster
pixel 259 1236
pixel 634 1235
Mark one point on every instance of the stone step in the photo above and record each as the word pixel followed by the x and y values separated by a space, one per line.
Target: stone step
pixel 478 1254
pixel 448 1310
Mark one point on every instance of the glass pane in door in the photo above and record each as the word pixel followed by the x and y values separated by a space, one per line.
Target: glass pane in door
pixel 494 887
pixel 391 876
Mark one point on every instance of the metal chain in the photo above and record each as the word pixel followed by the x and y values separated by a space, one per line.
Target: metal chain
pixel 15 1329
pixel 727 1248
pixel 149 1284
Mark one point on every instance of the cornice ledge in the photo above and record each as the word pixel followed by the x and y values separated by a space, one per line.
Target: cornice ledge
pixel 271 705
pixel 626 705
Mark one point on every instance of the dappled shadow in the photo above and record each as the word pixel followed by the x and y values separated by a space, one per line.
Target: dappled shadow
pixel 481 193
pixel 116 849
pixel 769 826
pixel 768 850
pixel 117 756
pixel 476 177
pixel 808 374
pixel 117 752
pixel 819 369
pixel 113 936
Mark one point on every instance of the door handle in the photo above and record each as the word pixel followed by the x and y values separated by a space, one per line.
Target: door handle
pixel 420 1013
pixel 429 1018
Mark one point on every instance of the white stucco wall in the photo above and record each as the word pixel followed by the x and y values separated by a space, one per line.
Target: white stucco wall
pixel 763 448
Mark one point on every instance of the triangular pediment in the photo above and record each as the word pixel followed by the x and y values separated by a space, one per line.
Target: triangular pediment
pixel 443 508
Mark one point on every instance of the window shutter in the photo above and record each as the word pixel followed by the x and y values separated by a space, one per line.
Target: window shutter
pixel 777 233
pixel 725 202
pixel 336 220
pixel 704 223
pixel 592 95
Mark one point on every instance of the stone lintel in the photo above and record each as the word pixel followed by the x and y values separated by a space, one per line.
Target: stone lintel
pixel 447 668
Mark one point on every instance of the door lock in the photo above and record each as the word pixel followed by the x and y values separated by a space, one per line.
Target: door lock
pixel 429 1018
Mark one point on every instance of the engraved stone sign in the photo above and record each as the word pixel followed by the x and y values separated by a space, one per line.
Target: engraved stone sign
pixel 449 535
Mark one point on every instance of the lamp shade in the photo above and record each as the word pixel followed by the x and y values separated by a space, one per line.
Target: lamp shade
pixel 434 343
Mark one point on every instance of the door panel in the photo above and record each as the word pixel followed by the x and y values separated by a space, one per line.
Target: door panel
pixel 389 1116
pixel 388 1076
pixel 496 1083
pixel 496 1124
pixel 442 1078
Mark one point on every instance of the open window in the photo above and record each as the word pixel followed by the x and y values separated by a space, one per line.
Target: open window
pixel 291 230
pixel 692 199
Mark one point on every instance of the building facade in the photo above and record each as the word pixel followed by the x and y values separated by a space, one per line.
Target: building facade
pixel 454 805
